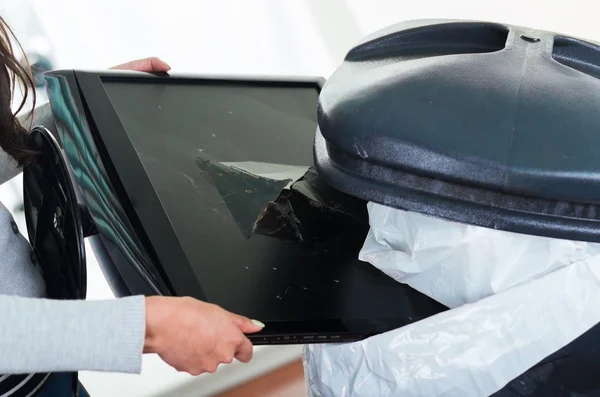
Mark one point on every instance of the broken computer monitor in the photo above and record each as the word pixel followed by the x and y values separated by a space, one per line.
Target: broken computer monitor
pixel 205 187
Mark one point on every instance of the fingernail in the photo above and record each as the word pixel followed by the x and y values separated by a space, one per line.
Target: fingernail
pixel 258 323
pixel 169 66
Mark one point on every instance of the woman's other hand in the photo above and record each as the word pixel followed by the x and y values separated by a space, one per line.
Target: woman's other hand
pixel 151 64
pixel 194 336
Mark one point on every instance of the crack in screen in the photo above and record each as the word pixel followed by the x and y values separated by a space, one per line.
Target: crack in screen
pixel 285 202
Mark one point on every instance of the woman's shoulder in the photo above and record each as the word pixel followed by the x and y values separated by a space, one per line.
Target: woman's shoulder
pixel 8 167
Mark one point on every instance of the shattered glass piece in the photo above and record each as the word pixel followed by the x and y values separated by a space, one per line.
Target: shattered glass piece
pixel 314 188
pixel 244 193
pixel 278 172
pixel 311 212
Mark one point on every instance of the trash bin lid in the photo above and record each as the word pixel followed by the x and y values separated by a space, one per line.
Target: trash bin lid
pixel 482 123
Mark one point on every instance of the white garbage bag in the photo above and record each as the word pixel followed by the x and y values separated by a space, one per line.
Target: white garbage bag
pixel 515 300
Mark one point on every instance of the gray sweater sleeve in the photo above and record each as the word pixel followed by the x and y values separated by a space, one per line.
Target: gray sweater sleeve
pixel 42 335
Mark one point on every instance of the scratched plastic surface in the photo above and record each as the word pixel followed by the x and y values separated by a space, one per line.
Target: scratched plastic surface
pixel 484 123
pixel 516 301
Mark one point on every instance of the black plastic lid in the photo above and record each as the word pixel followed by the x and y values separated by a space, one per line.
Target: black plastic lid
pixel 482 123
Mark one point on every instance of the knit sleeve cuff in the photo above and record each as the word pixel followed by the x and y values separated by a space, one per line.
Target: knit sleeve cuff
pixel 63 336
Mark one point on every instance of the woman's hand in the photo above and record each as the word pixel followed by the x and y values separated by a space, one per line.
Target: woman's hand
pixel 194 336
pixel 152 64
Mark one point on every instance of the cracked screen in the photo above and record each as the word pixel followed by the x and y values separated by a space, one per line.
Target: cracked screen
pixel 232 164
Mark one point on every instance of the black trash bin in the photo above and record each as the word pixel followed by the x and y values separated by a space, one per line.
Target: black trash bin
pixel 480 123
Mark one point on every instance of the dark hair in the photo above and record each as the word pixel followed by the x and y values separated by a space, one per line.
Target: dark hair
pixel 14 137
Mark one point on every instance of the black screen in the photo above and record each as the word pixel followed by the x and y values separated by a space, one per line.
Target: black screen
pixel 232 166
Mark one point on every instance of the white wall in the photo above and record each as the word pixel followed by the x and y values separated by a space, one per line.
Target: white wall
pixel 259 36
pixel 577 17
pixel 307 37
pixel 267 36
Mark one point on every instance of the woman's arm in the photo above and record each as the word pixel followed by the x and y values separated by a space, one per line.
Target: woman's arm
pixel 42 335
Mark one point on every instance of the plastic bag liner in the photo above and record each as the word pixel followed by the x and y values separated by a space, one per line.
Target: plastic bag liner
pixel 515 299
